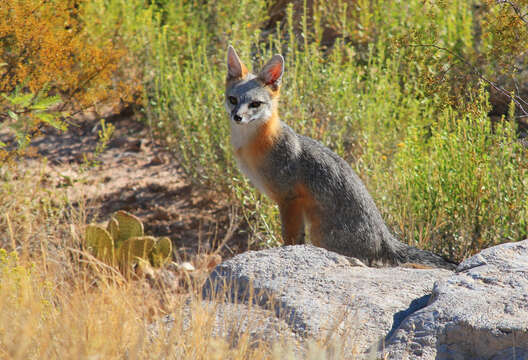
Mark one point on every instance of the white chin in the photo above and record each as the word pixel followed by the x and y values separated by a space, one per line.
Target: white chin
pixel 243 121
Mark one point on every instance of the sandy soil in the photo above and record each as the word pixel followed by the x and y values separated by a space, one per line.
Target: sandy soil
pixel 135 174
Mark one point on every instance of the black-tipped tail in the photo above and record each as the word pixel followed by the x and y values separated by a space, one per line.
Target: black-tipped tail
pixel 405 254
pixel 414 255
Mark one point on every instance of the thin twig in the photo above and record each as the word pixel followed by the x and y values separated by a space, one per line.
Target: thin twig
pixel 515 8
pixel 516 99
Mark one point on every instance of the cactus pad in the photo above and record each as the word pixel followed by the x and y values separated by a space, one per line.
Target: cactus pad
pixel 128 226
pixel 134 248
pixel 113 228
pixel 123 243
pixel 100 243
pixel 161 252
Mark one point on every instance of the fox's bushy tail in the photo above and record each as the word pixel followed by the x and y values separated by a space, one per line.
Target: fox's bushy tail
pixel 419 256
pixel 411 255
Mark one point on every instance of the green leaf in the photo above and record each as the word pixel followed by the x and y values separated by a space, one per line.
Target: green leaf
pixel 2 144
pixel 113 228
pixel 46 103
pixel 22 100
pixel 161 252
pixel 7 97
pixel 52 119
pixel 133 249
pixel 12 115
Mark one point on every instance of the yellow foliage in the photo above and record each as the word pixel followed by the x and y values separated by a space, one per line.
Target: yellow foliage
pixel 505 34
pixel 44 45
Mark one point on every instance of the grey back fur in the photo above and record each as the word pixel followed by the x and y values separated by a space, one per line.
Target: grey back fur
pixel 349 222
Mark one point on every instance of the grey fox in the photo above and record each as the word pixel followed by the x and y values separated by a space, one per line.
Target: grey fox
pixel 310 183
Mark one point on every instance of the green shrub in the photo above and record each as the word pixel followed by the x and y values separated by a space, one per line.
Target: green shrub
pixel 463 185
pixel 52 64
pixel 391 92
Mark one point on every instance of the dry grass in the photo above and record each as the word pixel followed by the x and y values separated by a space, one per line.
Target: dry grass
pixel 58 302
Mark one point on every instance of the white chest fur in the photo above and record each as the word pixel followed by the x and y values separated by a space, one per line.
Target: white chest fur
pixel 253 175
pixel 240 138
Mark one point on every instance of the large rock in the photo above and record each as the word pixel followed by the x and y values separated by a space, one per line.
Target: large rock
pixel 319 293
pixel 232 322
pixel 479 313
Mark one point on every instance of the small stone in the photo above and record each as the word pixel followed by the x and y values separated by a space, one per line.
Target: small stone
pixel 186 266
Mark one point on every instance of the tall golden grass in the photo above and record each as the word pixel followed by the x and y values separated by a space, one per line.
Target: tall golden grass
pixel 59 302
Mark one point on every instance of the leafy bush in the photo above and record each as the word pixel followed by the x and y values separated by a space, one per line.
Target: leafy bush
pixel 367 78
pixel 462 184
pixel 389 70
pixel 52 64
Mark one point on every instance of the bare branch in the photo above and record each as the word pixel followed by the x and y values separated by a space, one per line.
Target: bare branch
pixel 515 8
pixel 522 104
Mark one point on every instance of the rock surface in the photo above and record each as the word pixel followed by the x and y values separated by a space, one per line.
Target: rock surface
pixel 481 312
pixel 229 321
pixel 320 294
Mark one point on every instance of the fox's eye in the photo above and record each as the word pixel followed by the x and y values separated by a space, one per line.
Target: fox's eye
pixel 254 104
pixel 232 100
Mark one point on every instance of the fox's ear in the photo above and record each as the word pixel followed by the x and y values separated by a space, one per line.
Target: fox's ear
pixel 271 73
pixel 235 68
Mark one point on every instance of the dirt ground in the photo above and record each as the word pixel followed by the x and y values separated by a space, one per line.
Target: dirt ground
pixel 135 174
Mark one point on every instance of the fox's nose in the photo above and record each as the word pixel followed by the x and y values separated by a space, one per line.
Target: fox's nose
pixel 237 118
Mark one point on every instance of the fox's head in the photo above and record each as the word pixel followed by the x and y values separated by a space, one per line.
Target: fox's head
pixel 252 99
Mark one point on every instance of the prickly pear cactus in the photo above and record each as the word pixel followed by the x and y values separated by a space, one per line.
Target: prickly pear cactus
pixel 100 243
pixel 128 226
pixel 134 248
pixel 123 242
pixel 113 228
pixel 161 252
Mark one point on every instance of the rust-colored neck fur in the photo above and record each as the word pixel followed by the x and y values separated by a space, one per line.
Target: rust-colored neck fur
pixel 252 155
pixel 264 137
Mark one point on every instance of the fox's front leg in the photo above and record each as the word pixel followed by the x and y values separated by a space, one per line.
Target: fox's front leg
pixel 292 219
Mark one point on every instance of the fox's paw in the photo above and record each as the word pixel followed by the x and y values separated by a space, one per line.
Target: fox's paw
pixel 355 262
